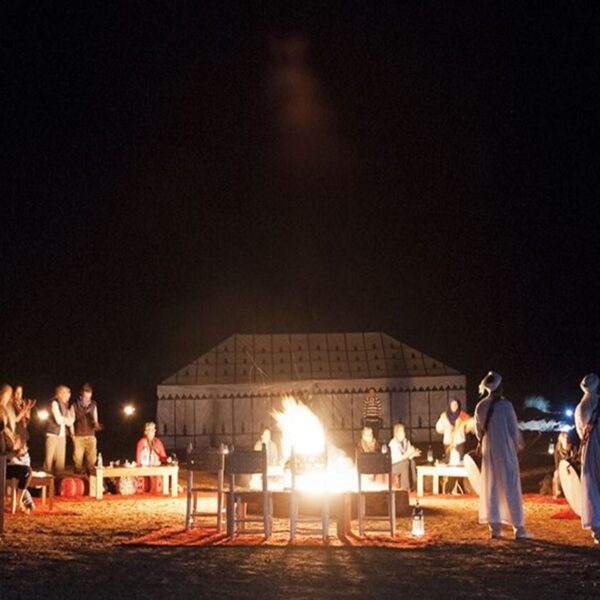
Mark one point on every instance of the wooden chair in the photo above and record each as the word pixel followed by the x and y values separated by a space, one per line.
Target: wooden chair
pixel 375 463
pixel 300 464
pixel 248 462
pixel 209 461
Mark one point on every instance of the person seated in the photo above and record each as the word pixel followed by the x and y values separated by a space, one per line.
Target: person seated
pixel 403 454
pixel 367 442
pixel 150 451
pixel 272 452
pixel 562 451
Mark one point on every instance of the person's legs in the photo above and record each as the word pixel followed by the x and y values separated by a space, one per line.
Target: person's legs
pixel 78 452
pixel 50 452
pixel 59 454
pixel 90 453
pixel 495 530
pixel 22 474
pixel 404 473
pixel 413 475
pixel 453 482
pixel 521 533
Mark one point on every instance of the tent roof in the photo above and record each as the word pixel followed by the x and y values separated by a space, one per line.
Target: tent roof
pixel 307 356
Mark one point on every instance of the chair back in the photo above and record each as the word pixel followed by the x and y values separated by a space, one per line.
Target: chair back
pixel 209 460
pixel 373 463
pixel 247 462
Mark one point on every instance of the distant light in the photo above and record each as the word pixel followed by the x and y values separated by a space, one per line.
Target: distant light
pixel 568 412
pixel 42 414
pixel 128 410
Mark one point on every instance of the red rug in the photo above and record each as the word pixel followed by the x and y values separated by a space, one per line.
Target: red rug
pixel 117 497
pixel 175 536
pixel 567 513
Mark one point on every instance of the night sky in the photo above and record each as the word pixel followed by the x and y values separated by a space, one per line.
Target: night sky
pixel 176 173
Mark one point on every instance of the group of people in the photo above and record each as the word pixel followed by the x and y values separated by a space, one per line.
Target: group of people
pixel 15 414
pixel 501 501
pixel 453 424
pixel 78 419
pixel 500 440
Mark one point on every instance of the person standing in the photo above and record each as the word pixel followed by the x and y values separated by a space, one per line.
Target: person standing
pixel 22 408
pixel 586 422
pixel 454 424
pixel 59 424
pixel 85 425
pixel 500 498
pixel 372 412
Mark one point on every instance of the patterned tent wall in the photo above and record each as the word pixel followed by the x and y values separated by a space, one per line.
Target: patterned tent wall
pixel 207 417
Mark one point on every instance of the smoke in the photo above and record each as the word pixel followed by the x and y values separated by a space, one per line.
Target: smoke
pixel 304 123
pixel 538 402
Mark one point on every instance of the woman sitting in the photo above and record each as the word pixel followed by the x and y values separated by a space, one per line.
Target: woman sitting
pixel 367 442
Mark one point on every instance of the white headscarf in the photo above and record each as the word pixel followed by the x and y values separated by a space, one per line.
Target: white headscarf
pixel 590 383
pixel 490 382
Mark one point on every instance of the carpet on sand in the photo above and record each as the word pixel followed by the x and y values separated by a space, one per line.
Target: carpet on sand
pixel 176 536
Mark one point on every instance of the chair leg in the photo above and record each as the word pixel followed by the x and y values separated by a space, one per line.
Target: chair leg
pixel 326 518
pixel 392 502
pixel 267 512
pixel 219 511
pixel 293 515
pixel 361 515
pixel 230 514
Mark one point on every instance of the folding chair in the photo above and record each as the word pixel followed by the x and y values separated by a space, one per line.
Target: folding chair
pixel 301 464
pixel 248 462
pixel 374 463
pixel 209 461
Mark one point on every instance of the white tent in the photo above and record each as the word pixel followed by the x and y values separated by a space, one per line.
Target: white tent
pixel 228 394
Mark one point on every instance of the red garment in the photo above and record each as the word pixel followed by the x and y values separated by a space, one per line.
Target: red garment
pixel 150 454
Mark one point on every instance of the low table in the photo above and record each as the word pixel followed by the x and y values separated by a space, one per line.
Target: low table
pixel 167 472
pixel 41 479
pixel 435 471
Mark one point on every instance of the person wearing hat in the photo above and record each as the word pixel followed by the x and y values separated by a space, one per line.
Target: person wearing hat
pixel 586 422
pixel 500 498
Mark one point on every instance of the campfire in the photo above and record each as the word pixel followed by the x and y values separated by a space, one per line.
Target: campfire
pixel 322 467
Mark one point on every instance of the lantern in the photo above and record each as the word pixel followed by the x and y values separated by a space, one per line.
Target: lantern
pixel 551 446
pixel 430 455
pixel 418 521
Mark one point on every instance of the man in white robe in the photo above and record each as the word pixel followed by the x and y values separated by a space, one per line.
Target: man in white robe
pixel 500 498
pixel 586 421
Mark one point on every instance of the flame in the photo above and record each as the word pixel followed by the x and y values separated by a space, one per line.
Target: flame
pixel 300 429
pixel 303 432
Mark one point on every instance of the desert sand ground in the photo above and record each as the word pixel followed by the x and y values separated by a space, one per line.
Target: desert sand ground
pixel 79 553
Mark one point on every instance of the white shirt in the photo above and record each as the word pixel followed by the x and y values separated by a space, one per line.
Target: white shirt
pixel 64 422
pixel 399 449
